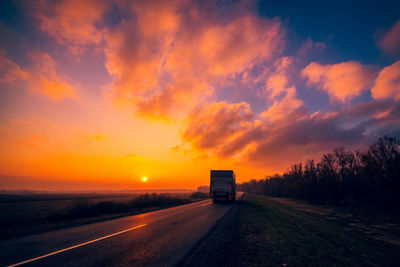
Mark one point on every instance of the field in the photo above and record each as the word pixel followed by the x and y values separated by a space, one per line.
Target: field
pixel 29 214
pixel 261 231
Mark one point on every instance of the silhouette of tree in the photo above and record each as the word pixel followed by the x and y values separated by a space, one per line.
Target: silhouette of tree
pixel 341 177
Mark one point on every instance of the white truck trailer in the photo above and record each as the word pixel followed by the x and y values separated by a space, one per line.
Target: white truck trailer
pixel 222 185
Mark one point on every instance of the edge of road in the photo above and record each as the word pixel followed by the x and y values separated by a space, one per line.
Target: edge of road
pixel 183 261
pixel 101 237
pixel 94 220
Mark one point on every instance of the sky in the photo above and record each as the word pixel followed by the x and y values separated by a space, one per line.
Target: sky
pixel 98 94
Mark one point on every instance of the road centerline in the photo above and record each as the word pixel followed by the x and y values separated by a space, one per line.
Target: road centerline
pixel 76 246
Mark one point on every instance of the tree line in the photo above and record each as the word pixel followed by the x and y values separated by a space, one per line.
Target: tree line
pixel 341 177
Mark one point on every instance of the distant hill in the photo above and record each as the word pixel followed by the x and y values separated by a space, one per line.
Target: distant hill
pixel 99 192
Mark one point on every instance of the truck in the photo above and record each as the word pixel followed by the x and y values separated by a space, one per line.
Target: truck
pixel 222 185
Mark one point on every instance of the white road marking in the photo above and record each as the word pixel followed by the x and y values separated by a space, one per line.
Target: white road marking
pixel 76 246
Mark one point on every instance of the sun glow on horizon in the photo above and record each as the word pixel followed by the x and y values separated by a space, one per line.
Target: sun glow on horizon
pixel 113 99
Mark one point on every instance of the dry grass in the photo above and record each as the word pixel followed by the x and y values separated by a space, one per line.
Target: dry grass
pixel 261 231
pixel 25 215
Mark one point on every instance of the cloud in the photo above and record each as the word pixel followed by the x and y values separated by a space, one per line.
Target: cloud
pixel 221 75
pixel 46 80
pixel 90 138
pixel 71 23
pixel 198 56
pixel 164 55
pixel 309 47
pixel 288 108
pixel 283 112
pixel 277 82
pixel 297 141
pixel 176 58
pixel 309 136
pixel 41 77
pixel 287 132
pixel 237 133
pixel 281 92
pixel 319 132
pixel 343 81
pixel 387 84
pixel 390 42
pixel 10 71
pixel 217 123
pixel 135 157
pixel 225 48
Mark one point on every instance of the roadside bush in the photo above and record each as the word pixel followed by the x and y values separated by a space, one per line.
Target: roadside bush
pixel 84 208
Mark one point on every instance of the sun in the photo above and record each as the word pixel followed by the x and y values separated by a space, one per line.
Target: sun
pixel 144 179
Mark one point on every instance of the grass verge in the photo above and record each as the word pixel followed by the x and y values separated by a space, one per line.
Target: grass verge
pixel 263 232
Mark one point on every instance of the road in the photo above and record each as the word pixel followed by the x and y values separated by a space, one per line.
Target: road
pixel 158 238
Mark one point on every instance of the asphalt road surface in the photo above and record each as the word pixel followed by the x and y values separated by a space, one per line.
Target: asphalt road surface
pixel 158 238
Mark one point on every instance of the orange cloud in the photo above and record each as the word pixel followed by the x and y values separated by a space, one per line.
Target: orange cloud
pixel 228 130
pixel 10 71
pixel 210 129
pixel 157 17
pixel 173 53
pixel 174 97
pixel 42 77
pixel 54 89
pixel 169 59
pixel 343 81
pixel 286 132
pixel 70 22
pixel 278 81
pixel 289 108
pixel 274 144
pixel 164 55
pixel 281 91
pixel 390 42
pixel 47 81
pixel 387 84
pixel 214 124
pixel 89 138
pixel 226 48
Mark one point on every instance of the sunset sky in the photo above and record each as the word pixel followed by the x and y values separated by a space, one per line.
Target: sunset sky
pixel 98 94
